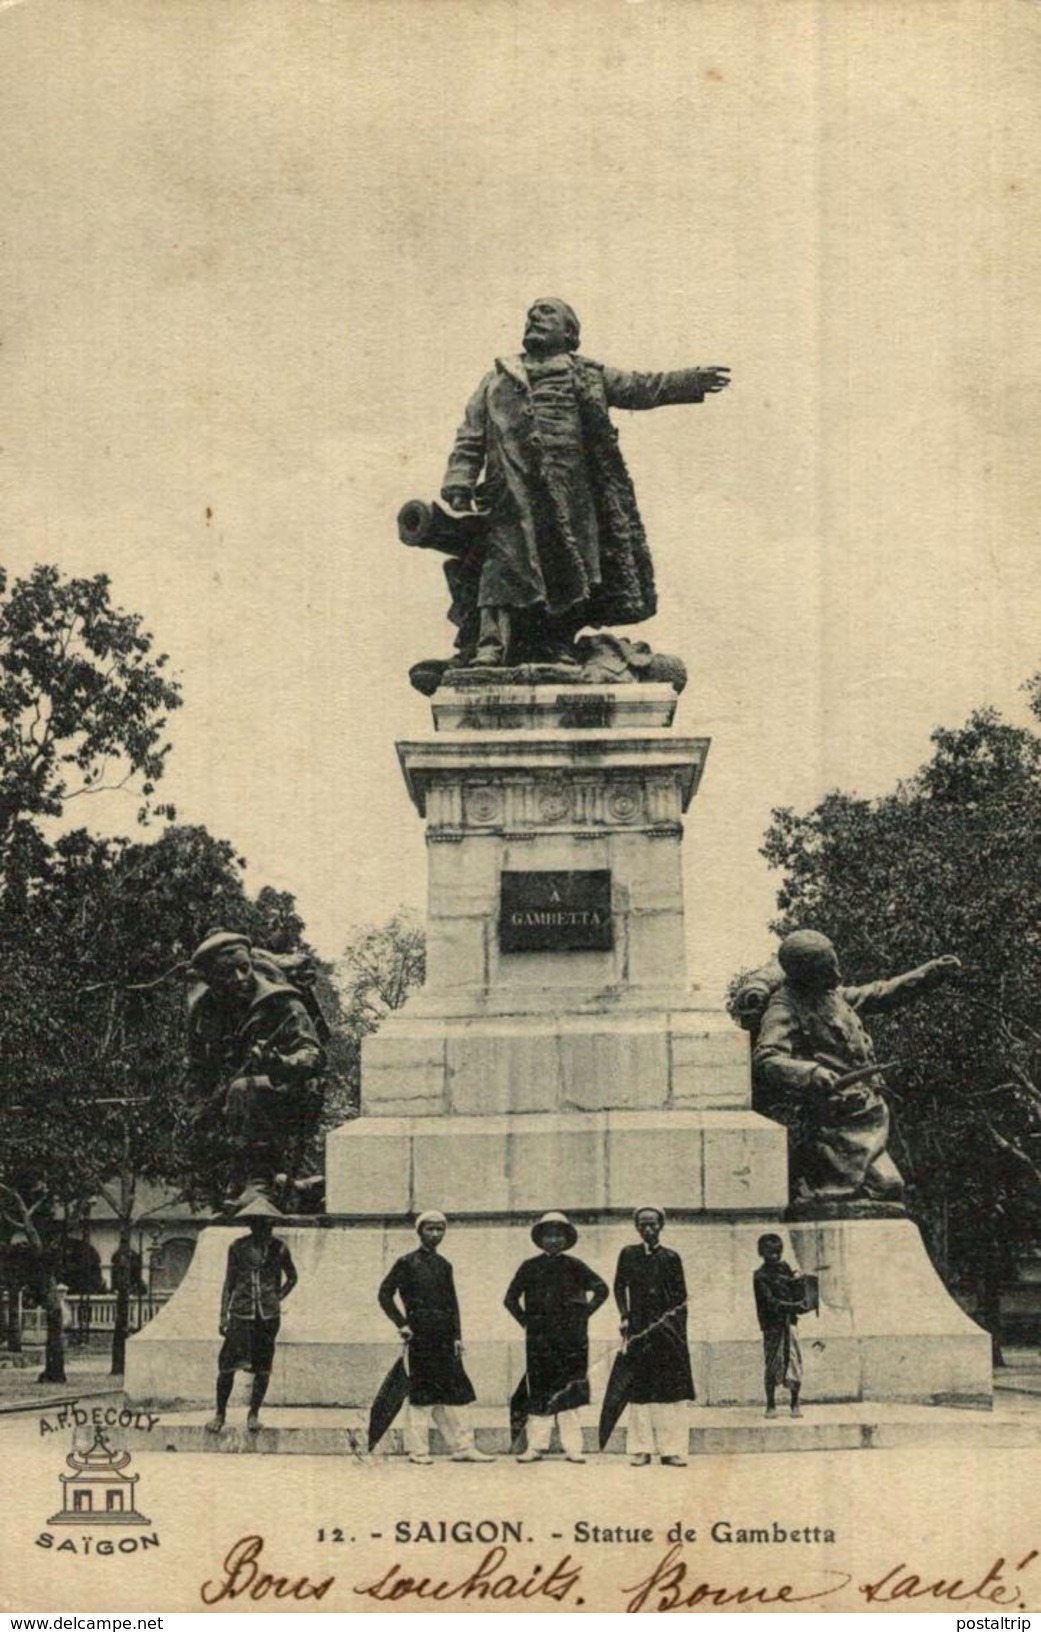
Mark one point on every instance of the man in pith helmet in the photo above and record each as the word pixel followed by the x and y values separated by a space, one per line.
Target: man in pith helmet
pixel 554 1296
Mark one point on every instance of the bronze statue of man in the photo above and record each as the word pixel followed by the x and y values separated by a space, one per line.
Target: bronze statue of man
pixel 811 1038
pixel 564 544
pixel 253 1056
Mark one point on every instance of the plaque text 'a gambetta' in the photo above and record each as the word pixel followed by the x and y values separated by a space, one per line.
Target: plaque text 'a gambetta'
pixel 556 912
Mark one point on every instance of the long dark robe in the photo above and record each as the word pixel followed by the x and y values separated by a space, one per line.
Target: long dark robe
pixel 553 1298
pixel 652 1289
pixel 426 1287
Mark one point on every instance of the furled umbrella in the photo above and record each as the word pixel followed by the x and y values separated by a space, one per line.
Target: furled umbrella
pixel 616 1395
pixel 393 1392
pixel 519 1402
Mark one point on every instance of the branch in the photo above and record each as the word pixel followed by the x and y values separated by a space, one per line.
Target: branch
pixel 139 986
pixel 101 787
pixel 1012 1150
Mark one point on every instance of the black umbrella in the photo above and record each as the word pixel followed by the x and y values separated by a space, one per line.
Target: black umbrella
pixel 616 1395
pixel 394 1391
pixel 519 1401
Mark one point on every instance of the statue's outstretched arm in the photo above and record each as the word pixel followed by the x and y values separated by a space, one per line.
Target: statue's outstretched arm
pixel 628 390
pixel 882 995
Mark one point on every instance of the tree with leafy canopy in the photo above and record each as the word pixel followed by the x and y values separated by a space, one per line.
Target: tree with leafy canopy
pixel 83 699
pixel 99 1032
pixel 948 862
pixel 83 707
pixel 380 966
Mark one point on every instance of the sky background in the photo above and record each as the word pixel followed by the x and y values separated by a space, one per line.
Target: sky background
pixel 257 254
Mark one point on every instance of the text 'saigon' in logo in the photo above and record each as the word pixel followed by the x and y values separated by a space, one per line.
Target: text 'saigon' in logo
pixel 99 1492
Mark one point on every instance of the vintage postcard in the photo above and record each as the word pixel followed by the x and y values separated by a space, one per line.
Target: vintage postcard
pixel 521 793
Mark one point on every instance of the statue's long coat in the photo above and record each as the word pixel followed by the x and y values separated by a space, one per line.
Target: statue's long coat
pixel 601 571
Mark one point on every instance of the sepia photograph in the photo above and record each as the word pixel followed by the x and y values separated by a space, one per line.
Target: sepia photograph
pixel 520 806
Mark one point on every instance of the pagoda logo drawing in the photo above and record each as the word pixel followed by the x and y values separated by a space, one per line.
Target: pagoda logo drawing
pixel 98 1490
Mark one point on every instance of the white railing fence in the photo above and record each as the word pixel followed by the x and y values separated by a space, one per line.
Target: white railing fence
pixel 93 1313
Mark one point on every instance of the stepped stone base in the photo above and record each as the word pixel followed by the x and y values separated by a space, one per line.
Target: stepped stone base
pixel 718 1161
pixel 714 1431
pixel 887 1329
pixel 614 1056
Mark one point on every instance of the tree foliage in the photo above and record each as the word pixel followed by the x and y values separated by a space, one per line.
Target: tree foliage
pixel 949 862
pixel 380 966
pixel 83 701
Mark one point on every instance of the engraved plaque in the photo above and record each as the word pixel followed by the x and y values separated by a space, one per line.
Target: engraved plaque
pixel 556 912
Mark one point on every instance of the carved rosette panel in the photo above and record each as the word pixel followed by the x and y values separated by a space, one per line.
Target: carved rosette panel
pixel 589 803
pixel 553 802
pixel 484 806
pixel 622 803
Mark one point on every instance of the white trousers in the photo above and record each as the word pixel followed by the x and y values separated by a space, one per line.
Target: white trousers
pixel 540 1432
pixel 662 1426
pixel 458 1434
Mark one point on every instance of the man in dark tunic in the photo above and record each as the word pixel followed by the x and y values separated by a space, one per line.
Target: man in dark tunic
pixel 419 1296
pixel 565 544
pixel 810 1036
pixel 650 1290
pixel 260 1276
pixel 554 1297
pixel 253 1056
pixel 778 1305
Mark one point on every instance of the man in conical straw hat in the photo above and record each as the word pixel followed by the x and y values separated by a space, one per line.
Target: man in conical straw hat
pixel 260 1276
pixel 419 1296
pixel 553 1296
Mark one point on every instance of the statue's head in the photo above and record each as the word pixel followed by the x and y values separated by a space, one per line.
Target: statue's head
pixel 551 326
pixel 809 961
pixel 225 962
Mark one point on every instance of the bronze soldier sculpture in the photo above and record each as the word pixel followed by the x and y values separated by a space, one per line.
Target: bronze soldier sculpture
pixel 563 543
pixel 814 1069
pixel 253 1058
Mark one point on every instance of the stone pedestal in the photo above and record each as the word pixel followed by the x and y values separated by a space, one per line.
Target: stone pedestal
pixel 581 1074
pixel 886 1330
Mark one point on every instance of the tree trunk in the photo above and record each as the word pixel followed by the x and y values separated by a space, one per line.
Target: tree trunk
pixel 122 1265
pixel 990 1301
pixel 14 1318
pixel 54 1354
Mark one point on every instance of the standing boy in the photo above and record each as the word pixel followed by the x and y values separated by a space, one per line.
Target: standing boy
pixel 553 1296
pixel 778 1303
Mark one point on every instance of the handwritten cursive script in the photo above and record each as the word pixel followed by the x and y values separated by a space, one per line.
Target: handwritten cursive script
pixel 670 1585
pixel 494 1577
pixel 243 1577
pixel 991 1586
